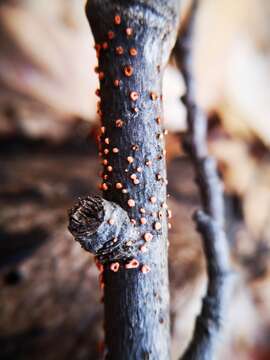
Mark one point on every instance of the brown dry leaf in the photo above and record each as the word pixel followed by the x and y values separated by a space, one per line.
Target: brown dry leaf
pixel 249 178
pixel 256 204
pixel 238 168
pixel 47 62
pixel 232 55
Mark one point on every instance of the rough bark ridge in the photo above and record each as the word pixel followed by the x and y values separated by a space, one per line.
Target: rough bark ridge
pixel 128 231
pixel 210 220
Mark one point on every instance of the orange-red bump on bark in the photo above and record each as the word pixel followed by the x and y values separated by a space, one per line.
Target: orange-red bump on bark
pixel 104 186
pixel 133 264
pixel 119 50
pixel 105 45
pixel 115 150
pixel 131 203
pixel 114 266
pixel 119 123
pixel 111 35
pixel 143 221
pixel 102 129
pixel 153 96
pixel 107 141
pixel 145 269
pixel 119 186
pixel 148 236
pixel 111 221
pixel 98 48
pixel 130 159
pixel 101 75
pixel 128 70
pixel 135 147
pixel 133 51
pixel 134 95
pixel 116 82
pixel 117 19
pixel 143 248
pixel 153 199
pixel 110 168
pixel 129 31
pixel 157 226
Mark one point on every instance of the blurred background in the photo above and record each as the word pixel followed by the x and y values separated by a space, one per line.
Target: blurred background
pixel 49 300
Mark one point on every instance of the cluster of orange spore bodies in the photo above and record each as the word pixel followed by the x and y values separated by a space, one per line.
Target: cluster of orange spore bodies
pixel 150 217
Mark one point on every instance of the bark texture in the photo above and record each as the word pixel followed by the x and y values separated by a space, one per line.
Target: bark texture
pixel 133 43
pixel 210 220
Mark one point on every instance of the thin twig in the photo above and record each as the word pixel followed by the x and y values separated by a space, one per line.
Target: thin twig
pixel 209 220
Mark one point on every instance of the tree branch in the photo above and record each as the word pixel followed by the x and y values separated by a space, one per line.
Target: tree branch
pixel 210 220
pixel 133 42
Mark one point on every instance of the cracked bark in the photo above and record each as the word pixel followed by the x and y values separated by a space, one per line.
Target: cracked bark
pixel 133 43
pixel 210 220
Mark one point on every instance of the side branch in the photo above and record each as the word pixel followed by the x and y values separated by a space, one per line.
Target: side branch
pixel 103 228
pixel 210 221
